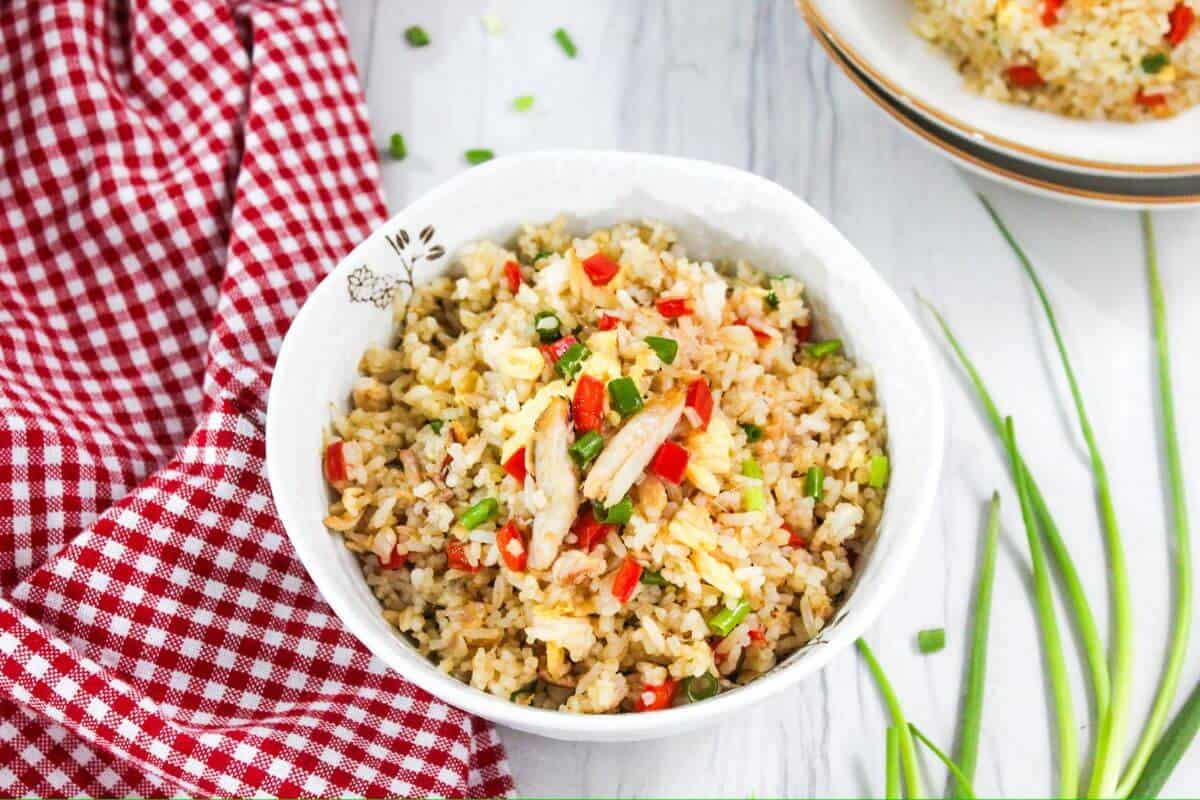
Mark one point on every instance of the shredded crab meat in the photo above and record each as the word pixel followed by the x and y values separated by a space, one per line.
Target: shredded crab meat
pixel 630 451
pixel 554 475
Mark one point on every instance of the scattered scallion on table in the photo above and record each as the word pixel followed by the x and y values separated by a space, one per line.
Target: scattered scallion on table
pixel 396 147
pixel 908 752
pixel 564 41
pixel 523 102
pixel 892 765
pixel 964 783
pixel 478 155
pixel 931 640
pixel 416 36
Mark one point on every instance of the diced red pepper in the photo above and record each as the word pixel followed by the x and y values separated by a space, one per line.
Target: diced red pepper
pixel 512 547
pixel 672 307
pixel 587 409
pixel 626 579
pixel 335 462
pixel 757 636
pixel 699 399
pixel 395 560
pixel 761 336
pixel 555 350
pixel 600 269
pixel 1181 18
pixel 456 555
pixel 1050 10
pixel 515 466
pixel 670 462
pixel 512 273
pixel 655 696
pixel 607 322
pixel 794 539
pixel 1149 100
pixel 803 331
pixel 589 531
pixel 1024 76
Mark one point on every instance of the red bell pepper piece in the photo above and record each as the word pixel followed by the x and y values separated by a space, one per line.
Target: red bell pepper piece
pixel 1181 18
pixel 395 560
pixel 1050 10
pixel 607 322
pixel 456 555
pixel 803 331
pixel 555 350
pixel 655 696
pixel 512 547
pixel 1149 100
pixel 672 307
pixel 757 636
pixel 794 539
pixel 590 531
pixel 587 409
pixel 515 466
pixel 600 269
pixel 335 462
pixel 699 399
pixel 760 336
pixel 626 579
pixel 512 273
pixel 670 462
pixel 1024 76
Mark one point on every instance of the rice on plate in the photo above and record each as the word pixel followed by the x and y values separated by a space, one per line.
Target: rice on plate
pixel 595 475
pixel 1125 60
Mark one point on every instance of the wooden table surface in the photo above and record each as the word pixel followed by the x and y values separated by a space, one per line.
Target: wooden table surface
pixel 742 83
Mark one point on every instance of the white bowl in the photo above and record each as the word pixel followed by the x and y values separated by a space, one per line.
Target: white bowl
pixel 877 36
pixel 719 212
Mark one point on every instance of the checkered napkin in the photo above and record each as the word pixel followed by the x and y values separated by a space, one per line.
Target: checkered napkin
pixel 174 179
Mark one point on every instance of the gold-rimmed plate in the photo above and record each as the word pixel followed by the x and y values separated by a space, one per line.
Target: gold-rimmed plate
pixel 877 37
pixel 1111 191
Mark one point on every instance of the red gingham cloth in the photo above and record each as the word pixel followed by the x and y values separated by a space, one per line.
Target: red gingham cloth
pixel 175 177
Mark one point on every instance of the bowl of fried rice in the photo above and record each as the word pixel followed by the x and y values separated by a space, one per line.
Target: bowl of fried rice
pixel 602 446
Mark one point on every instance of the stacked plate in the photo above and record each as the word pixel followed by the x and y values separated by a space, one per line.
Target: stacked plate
pixel 1130 165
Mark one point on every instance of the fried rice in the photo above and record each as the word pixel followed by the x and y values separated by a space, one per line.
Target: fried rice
pixel 1126 60
pixel 740 470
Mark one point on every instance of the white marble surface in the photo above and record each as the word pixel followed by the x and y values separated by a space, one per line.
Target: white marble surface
pixel 741 83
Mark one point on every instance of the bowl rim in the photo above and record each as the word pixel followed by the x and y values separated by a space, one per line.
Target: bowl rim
pixel 615 727
pixel 817 20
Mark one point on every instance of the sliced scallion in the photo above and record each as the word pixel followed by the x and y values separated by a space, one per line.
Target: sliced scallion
pixel 814 482
pixel 570 362
pixel 772 299
pixel 479 513
pixel 547 326
pixel 585 449
pixel 877 471
pixel 931 640
pixel 523 102
pixel 666 348
pixel 416 36
pixel 753 432
pixel 725 620
pixel 478 155
pixel 702 687
pixel 564 41
pixel 828 347
pixel 396 148
pixel 652 577
pixel 624 395
pixel 618 514
pixel 436 424
pixel 1154 63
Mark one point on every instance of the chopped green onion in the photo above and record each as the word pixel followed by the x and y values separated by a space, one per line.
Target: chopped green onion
pixel 396 148
pixel 964 783
pixel 523 102
pixel 752 469
pixel 625 397
pixel 702 687
pixel 652 577
pixel 492 24
pixel 1154 63
pixel 772 299
pixel 586 448
pixel 753 432
pixel 892 767
pixel 878 470
pixel 542 254
pixel 416 36
pixel 479 513
pixel 753 497
pixel 436 424
pixel 618 514
pixel 814 482
pixel 547 326
pixel 908 751
pixel 526 689
pixel 825 348
pixel 572 361
pixel 931 640
pixel 564 41
pixel 725 620
pixel 666 348
pixel 479 155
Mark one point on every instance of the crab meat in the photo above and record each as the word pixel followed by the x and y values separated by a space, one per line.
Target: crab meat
pixel 554 475
pixel 575 566
pixel 628 454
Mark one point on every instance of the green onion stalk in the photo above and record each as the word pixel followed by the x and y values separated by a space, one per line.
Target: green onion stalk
pixel 964 782
pixel 1085 619
pixel 1067 736
pixel 1110 740
pixel 908 752
pixel 892 768
pixel 1168 683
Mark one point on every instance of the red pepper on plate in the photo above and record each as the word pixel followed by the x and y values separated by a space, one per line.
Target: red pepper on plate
pixel 655 696
pixel 626 579
pixel 587 409
pixel 1181 18
pixel 512 547
pixel 672 307
pixel 456 556
pixel 600 269
pixel 515 466
pixel 335 462
pixel 670 462
pixel 590 531
pixel 512 274
pixel 1024 76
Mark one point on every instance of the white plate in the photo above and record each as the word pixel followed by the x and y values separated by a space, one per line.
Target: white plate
pixel 877 35
pixel 719 212
pixel 1101 190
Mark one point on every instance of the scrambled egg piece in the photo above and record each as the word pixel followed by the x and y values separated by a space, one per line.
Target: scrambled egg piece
pixel 522 363
pixel 710 456
pixel 692 526
pixel 716 574
pixel 574 634
pixel 519 425
pixel 603 364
